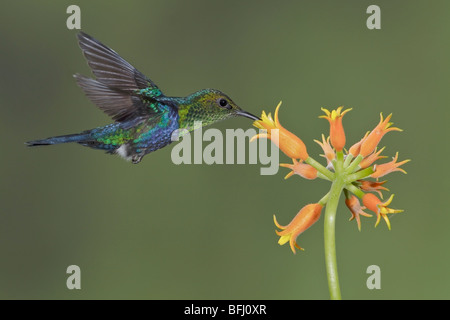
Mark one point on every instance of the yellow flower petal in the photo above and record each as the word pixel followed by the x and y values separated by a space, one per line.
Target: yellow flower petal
pixel 284 239
pixel 277 122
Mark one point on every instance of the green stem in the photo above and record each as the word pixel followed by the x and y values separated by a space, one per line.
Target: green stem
pixel 329 230
pixel 327 173
pixel 330 242
pixel 324 200
pixel 355 190
pixel 359 175
pixel 321 176
pixel 348 159
pixel 354 164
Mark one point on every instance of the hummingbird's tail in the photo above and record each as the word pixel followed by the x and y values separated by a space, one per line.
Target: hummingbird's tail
pixel 78 137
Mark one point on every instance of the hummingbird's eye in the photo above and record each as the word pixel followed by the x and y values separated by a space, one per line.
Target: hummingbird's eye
pixel 224 103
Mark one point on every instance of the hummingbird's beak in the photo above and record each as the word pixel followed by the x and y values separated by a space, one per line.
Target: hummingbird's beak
pixel 247 115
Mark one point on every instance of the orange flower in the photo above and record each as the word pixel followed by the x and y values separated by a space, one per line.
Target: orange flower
pixel 327 149
pixel 337 134
pixel 356 210
pixel 285 140
pixel 302 169
pixel 369 144
pixel 373 186
pixel 381 209
pixel 304 219
pixel 374 156
pixel 354 149
pixel 386 168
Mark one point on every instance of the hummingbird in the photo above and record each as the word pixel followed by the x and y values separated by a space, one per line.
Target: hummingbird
pixel 144 118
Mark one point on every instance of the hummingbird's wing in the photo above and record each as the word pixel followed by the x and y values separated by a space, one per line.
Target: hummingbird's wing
pixel 116 89
pixel 110 68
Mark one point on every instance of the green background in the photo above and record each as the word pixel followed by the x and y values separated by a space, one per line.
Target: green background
pixel 161 231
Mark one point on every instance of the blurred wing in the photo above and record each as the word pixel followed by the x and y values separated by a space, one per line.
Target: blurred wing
pixel 116 89
pixel 119 105
pixel 110 68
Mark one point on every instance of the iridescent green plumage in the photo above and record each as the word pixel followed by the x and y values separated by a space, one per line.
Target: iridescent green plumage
pixel 144 117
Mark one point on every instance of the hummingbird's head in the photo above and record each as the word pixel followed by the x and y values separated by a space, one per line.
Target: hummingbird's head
pixel 210 105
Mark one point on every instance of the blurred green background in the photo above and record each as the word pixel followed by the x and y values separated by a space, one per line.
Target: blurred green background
pixel 161 231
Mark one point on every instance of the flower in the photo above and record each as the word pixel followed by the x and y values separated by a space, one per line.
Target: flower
pixel 285 140
pixel 374 156
pixel 356 210
pixel 337 134
pixel 302 169
pixel 386 168
pixel 329 153
pixel 373 186
pixel 381 209
pixel 354 149
pixel 304 219
pixel 371 141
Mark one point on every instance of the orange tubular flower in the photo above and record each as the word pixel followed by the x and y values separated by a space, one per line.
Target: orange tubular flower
pixel 356 210
pixel 327 149
pixel 374 156
pixel 287 142
pixel 374 204
pixel 354 149
pixel 302 169
pixel 373 186
pixel 337 134
pixel 306 217
pixel 370 143
pixel 386 168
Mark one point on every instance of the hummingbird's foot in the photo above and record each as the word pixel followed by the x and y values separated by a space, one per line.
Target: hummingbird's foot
pixel 135 159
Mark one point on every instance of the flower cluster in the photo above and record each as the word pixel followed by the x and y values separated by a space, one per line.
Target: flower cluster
pixel 349 170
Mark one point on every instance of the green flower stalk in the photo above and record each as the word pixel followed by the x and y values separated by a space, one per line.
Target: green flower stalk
pixel 349 173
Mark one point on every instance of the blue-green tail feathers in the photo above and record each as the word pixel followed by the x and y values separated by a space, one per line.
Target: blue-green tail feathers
pixel 79 137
